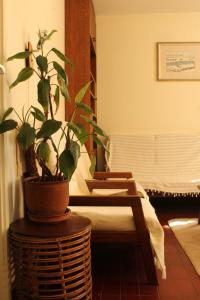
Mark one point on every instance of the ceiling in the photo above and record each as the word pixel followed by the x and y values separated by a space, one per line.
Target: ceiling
pixel 118 7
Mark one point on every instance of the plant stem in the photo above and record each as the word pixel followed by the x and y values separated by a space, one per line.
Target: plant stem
pixel 18 115
pixel 53 75
pixel 33 55
pixel 27 113
pixel 48 52
pixel 74 114
pixel 36 73
pixel 50 70
pixel 63 133
pixel 23 114
pixel 51 107
pixel 45 170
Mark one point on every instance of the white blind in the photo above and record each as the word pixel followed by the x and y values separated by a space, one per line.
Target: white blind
pixel 168 163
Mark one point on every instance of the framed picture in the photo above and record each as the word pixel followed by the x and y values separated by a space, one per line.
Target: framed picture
pixel 178 61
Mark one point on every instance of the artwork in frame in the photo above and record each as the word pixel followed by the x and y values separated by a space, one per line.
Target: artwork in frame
pixel 178 60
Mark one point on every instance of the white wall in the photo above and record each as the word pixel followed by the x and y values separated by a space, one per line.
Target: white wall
pixel 21 21
pixel 130 99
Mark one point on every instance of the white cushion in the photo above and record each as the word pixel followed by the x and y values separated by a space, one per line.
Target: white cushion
pixel 107 218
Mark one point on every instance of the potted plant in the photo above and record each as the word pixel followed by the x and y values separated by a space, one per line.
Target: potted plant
pixel 40 134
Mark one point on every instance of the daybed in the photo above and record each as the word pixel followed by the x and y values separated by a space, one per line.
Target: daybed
pixel 125 215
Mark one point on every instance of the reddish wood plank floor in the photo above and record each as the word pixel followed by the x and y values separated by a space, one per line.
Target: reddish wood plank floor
pixel 118 274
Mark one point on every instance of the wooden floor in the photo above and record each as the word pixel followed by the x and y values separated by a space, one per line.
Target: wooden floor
pixel 118 274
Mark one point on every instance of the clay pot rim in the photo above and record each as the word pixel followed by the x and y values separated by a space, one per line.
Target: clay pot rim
pixel 36 180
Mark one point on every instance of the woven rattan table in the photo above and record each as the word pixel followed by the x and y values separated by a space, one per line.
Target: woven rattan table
pixel 51 261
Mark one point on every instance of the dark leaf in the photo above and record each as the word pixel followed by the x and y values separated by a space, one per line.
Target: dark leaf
pixel 61 56
pixel 7 125
pixel 74 128
pixel 67 164
pixel 7 113
pixel 97 140
pixel 38 114
pixel 75 151
pixel 57 97
pixel 20 55
pixel 63 87
pixel 97 129
pixel 44 93
pixel 26 136
pixel 60 70
pixel 43 151
pixel 81 93
pixel 86 108
pixel 23 75
pixel 48 128
pixel 43 37
pixel 93 165
pixel 42 63
pixel 83 135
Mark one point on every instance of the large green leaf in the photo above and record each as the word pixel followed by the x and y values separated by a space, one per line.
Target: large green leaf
pixel 86 108
pixel 20 55
pixel 97 129
pixel 57 98
pixel 63 87
pixel 61 56
pixel 81 93
pixel 75 151
pixel 26 136
pixel 74 128
pixel 48 128
pixel 42 63
pixel 38 114
pixel 67 164
pixel 7 113
pixel 44 93
pixel 82 136
pixel 7 125
pixel 23 75
pixel 60 71
pixel 43 151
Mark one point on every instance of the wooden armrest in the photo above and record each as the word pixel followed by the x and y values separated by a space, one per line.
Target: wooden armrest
pixel 104 175
pixel 113 184
pixel 93 200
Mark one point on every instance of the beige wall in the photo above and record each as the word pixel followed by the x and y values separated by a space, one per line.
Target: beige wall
pixel 4 285
pixel 21 21
pixel 130 99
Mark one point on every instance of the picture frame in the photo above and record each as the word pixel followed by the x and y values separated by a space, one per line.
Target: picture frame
pixel 178 60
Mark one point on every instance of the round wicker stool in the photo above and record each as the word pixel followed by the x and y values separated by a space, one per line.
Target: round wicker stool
pixel 51 261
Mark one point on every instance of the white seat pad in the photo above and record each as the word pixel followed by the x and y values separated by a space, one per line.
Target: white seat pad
pixel 107 218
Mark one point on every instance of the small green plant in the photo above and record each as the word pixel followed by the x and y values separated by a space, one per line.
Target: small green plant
pixel 37 125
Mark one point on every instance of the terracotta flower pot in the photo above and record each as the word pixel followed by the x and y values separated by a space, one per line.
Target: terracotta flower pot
pixel 46 201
